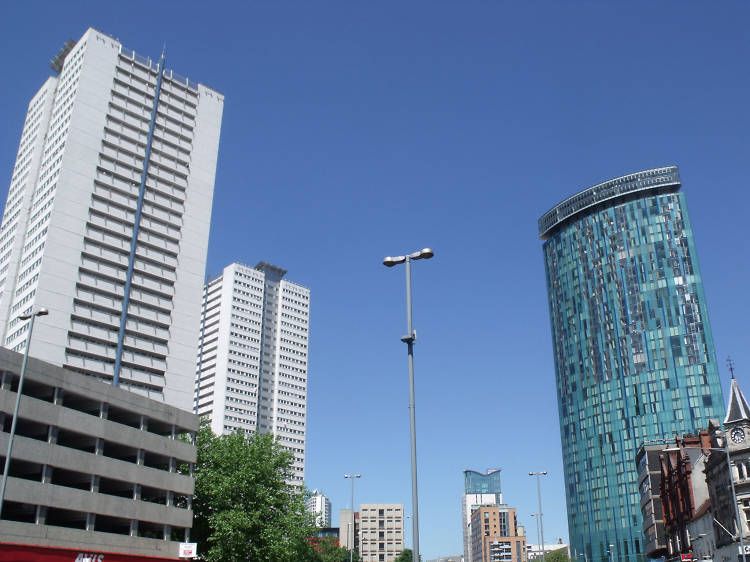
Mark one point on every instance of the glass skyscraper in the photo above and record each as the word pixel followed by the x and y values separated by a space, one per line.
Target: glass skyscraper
pixel 634 356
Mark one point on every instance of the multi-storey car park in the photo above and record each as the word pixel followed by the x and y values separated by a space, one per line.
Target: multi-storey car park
pixel 94 470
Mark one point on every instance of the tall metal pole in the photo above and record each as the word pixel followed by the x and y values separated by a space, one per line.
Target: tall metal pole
pixel 351 550
pixel 538 536
pixel 351 545
pixel 539 494
pixel 409 339
pixel 13 424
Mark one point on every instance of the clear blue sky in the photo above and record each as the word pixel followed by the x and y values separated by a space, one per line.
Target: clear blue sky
pixel 355 130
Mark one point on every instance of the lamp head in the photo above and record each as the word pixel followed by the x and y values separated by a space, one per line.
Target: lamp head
pixel 40 312
pixel 391 261
pixel 426 254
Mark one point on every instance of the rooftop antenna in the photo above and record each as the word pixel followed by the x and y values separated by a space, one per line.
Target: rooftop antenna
pixel 730 364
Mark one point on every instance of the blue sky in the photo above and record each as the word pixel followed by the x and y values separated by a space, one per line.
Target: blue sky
pixel 357 130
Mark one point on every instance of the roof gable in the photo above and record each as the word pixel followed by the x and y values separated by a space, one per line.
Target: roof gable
pixel 738 409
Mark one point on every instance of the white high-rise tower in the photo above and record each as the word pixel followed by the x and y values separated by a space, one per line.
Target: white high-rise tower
pixel 107 218
pixel 252 360
pixel 320 506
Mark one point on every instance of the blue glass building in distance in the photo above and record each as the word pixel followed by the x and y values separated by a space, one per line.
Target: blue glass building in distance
pixel 634 356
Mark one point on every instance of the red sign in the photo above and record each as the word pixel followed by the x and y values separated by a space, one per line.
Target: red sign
pixel 22 552
pixel 686 556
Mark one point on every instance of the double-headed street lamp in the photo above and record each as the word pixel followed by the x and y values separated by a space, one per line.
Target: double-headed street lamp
pixel 539 494
pixel 409 339
pixel 351 544
pixel 31 316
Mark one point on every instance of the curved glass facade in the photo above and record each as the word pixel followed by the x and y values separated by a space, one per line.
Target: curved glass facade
pixel 634 356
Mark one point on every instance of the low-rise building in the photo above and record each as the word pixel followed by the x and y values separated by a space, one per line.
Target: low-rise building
pixel 649 485
pixel 349 529
pixel 381 531
pixel 736 439
pixel 495 535
pixel 683 489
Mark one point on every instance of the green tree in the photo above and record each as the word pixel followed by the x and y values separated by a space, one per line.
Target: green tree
pixel 328 550
pixel 406 556
pixel 243 508
pixel 559 555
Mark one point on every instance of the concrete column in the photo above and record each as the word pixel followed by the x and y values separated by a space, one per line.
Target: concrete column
pixel 136 497
pixel 52 432
pixel 103 410
pixel 94 489
pixel 90 521
pixel 40 517
pixel 46 474
pixel 5 381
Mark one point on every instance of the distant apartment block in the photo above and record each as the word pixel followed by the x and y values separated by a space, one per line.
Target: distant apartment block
pixel 496 536
pixel 107 218
pixel 381 531
pixel 479 489
pixel 252 358
pixel 319 505
pixel 94 469
pixel 349 529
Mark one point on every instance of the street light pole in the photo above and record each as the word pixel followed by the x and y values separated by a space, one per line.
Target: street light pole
pixel 541 524
pixel 351 545
pixel 6 468
pixel 536 517
pixel 409 340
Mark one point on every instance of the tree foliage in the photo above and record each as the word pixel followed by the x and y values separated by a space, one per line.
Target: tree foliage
pixel 328 550
pixel 405 556
pixel 559 555
pixel 243 508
